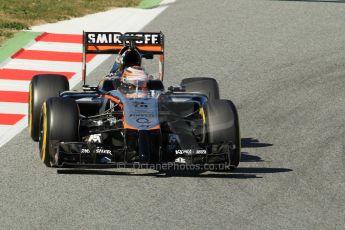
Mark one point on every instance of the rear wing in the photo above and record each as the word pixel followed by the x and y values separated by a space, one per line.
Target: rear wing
pixel 113 42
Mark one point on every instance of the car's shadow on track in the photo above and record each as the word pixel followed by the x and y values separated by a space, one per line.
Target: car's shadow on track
pixel 159 174
pixel 252 143
pixel 239 173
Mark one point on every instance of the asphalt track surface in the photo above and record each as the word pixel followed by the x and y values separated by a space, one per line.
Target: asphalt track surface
pixel 282 63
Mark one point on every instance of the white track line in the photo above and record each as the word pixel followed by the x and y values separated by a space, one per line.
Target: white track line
pixel 56 46
pixel 13 108
pixel 12 85
pixel 7 132
pixel 58 66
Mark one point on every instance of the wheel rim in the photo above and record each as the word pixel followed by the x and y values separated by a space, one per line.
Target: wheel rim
pixel 43 133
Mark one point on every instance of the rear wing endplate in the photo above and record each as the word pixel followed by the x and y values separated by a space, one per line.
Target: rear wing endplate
pixel 113 42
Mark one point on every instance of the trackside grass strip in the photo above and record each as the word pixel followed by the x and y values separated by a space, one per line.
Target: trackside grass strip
pixel 13 44
pixel 149 4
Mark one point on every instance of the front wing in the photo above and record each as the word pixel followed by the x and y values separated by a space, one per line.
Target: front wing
pixel 81 154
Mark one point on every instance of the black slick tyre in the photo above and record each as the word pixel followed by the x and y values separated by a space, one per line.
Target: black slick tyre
pixel 59 121
pixel 222 126
pixel 205 85
pixel 42 87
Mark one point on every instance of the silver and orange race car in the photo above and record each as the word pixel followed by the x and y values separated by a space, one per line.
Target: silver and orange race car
pixel 116 124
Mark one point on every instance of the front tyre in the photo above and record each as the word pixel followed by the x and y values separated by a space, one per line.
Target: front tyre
pixel 59 122
pixel 222 127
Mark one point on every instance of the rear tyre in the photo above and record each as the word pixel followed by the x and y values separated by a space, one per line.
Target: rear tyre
pixel 222 127
pixel 204 85
pixel 59 121
pixel 42 87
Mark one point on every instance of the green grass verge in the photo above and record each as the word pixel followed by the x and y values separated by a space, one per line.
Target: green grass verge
pixel 18 41
pixel 148 4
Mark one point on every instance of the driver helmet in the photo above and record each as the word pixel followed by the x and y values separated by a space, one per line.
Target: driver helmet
pixel 129 57
pixel 135 77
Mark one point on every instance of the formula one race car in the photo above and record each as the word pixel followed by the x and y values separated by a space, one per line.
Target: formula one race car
pixel 116 123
